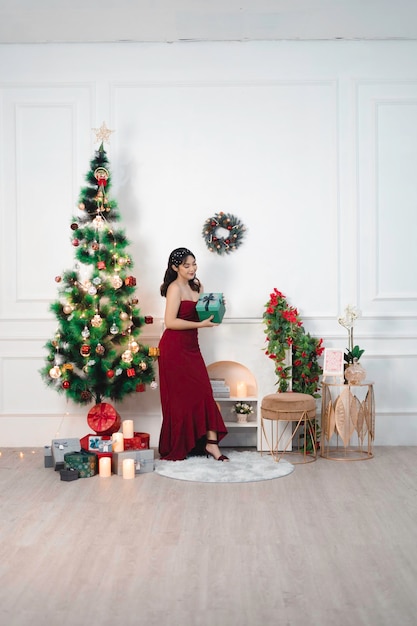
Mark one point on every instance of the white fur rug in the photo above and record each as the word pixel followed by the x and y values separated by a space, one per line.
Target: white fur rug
pixel 243 467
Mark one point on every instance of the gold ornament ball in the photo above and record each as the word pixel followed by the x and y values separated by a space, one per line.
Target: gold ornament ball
pixel 123 315
pixel 67 308
pixel 96 321
pixel 134 346
pixel 55 372
pixel 116 282
pixel 127 356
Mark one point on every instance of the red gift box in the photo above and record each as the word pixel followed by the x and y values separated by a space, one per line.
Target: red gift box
pixel 139 441
pixel 104 419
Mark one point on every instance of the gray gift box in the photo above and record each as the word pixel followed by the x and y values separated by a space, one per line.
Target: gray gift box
pixel 60 447
pixel 47 460
pixel 144 461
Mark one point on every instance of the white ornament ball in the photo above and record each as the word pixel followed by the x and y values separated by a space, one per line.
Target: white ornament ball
pixel 55 372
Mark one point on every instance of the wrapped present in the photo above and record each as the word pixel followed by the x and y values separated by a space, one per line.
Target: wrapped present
pixel 211 304
pixel 47 459
pixel 144 461
pixel 139 441
pixel 104 419
pixel 83 461
pixel 96 443
pixel 69 474
pixel 59 448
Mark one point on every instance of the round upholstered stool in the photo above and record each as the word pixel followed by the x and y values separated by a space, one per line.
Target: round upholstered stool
pixel 285 419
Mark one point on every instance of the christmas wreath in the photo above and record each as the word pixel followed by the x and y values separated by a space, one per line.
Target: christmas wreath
pixel 223 233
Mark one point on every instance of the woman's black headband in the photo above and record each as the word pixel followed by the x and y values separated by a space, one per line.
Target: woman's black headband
pixel 178 255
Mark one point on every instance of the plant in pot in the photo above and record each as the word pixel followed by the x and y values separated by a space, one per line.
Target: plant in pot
pixel 354 372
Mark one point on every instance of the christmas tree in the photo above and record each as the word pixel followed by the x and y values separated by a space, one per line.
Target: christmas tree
pixel 95 353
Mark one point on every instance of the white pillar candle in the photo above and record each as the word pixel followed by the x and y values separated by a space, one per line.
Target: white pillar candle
pixel 128 468
pixel 241 389
pixel 127 428
pixel 104 467
pixel 117 442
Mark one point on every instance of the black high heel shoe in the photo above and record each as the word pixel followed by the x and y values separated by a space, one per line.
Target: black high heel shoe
pixel 222 457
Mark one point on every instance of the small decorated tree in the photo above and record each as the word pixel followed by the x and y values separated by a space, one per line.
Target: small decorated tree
pixel 95 352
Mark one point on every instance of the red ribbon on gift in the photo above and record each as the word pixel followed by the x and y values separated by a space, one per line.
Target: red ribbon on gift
pixel 104 419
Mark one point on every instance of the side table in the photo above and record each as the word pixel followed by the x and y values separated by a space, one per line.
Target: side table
pixel 347 421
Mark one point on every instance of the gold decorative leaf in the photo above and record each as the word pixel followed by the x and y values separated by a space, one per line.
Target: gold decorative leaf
pixel 361 426
pixel 354 410
pixel 344 425
pixel 369 411
pixel 329 421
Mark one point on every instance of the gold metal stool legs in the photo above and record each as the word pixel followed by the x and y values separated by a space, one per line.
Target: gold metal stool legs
pixel 276 438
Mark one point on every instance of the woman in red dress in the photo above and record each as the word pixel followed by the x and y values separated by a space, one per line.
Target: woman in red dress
pixel 191 418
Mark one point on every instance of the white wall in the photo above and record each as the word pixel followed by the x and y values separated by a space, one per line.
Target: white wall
pixel 313 145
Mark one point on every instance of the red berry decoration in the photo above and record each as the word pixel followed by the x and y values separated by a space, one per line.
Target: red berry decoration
pixel 58 279
pixel 74 226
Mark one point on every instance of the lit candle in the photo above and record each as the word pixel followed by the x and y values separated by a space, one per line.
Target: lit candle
pixel 117 442
pixel 241 389
pixel 104 467
pixel 128 468
pixel 127 428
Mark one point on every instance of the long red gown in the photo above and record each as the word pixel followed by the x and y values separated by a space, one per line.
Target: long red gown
pixel 188 407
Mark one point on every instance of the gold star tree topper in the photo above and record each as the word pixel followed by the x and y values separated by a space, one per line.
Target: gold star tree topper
pixel 103 133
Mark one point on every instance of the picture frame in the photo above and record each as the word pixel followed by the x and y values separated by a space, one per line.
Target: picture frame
pixel 333 364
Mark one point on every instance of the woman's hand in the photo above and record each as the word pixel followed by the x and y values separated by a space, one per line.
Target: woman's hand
pixel 207 322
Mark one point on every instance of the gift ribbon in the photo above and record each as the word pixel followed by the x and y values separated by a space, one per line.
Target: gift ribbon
pixel 208 299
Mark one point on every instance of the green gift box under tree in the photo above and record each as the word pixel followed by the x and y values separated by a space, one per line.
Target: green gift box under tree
pixel 211 304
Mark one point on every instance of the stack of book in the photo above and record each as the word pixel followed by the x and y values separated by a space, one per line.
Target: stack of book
pixel 220 389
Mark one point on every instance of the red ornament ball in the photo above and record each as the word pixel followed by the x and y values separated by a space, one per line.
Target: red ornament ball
pixel 75 242
pixel 74 226
pixel 110 374
pixel 58 279
pixel 66 384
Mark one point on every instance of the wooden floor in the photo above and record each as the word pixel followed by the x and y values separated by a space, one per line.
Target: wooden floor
pixel 334 543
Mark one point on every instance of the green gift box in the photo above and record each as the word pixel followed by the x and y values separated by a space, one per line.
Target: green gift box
pixel 211 304
pixel 85 462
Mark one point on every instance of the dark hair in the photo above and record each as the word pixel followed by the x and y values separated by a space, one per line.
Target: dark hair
pixel 176 257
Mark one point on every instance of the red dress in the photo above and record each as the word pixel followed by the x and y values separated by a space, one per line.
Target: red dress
pixel 188 407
